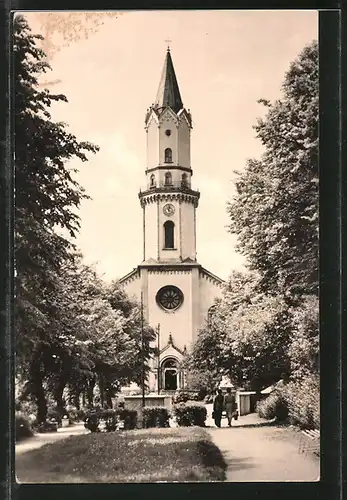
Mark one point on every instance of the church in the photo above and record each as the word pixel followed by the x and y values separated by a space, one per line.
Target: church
pixel 176 292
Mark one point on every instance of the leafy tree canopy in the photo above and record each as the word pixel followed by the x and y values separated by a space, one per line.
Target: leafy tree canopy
pixel 275 211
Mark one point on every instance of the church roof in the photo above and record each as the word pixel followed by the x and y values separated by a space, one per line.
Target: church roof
pixel 168 94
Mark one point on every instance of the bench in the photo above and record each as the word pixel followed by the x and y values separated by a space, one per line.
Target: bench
pixel 310 441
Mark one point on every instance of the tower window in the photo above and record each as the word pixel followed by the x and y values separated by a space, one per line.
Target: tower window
pixel 152 180
pixel 168 132
pixel 168 155
pixel 168 178
pixel 184 180
pixel 169 230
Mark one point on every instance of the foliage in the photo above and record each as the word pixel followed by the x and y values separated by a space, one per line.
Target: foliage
pixel 248 333
pixel 183 396
pixel 273 406
pixel 111 419
pixel 190 413
pixel 304 343
pixel 129 417
pixel 47 198
pixel 275 211
pixel 139 456
pixel 72 331
pixel 303 399
pixel 156 416
pixel 180 397
pixel 23 427
pixel 297 402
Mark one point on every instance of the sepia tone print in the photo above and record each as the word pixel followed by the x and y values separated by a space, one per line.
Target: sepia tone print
pixel 166 246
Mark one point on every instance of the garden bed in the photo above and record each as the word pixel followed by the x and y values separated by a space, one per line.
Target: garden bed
pixel 146 455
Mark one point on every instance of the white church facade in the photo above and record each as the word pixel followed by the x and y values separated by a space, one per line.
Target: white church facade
pixel 175 290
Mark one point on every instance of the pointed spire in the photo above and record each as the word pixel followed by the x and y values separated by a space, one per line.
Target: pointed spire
pixel 168 92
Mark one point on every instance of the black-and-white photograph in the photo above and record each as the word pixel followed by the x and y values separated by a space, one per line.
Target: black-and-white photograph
pixel 166 246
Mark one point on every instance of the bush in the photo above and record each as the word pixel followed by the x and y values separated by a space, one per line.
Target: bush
pixel 274 406
pixel 297 402
pixel 23 428
pixel 54 414
pixel 303 402
pixel 48 426
pixel 156 416
pixel 181 397
pixel 111 418
pixel 188 414
pixel 129 417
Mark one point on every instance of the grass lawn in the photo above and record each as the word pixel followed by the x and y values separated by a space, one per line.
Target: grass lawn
pixel 148 455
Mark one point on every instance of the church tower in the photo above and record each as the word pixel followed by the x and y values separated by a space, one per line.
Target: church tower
pixel 168 201
pixel 175 290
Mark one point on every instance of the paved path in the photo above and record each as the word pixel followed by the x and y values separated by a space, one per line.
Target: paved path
pixel 39 440
pixel 250 420
pixel 264 454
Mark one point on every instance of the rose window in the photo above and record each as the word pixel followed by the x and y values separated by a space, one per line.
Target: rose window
pixel 169 297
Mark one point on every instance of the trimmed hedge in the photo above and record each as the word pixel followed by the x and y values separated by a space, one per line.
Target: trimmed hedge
pixel 184 396
pixel 156 416
pixel 181 397
pixel 111 418
pixel 23 427
pixel 189 414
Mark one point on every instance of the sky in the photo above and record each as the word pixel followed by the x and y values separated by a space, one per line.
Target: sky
pixel 225 61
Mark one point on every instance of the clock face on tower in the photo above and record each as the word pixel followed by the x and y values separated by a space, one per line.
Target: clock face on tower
pixel 168 209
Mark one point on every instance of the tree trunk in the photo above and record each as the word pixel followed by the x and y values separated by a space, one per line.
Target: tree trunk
pixel 90 391
pixel 58 394
pixel 108 395
pixel 102 390
pixel 76 400
pixel 38 390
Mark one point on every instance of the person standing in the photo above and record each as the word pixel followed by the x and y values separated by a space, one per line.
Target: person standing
pixel 218 407
pixel 230 405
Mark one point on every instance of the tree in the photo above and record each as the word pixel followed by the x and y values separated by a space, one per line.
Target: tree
pixel 246 337
pixel 60 29
pixel 46 198
pixel 275 211
pixel 304 344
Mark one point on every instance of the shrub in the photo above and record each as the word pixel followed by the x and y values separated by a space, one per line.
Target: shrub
pixel 188 414
pixel 181 397
pixel 92 421
pixel 111 419
pixel 156 416
pixel 129 417
pixel 54 414
pixel 274 406
pixel 48 426
pixel 23 428
pixel 303 402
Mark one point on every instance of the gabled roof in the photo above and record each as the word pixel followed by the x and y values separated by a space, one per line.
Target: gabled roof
pixel 168 94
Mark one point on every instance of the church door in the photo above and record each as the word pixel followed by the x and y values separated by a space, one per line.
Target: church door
pixel 170 374
pixel 170 379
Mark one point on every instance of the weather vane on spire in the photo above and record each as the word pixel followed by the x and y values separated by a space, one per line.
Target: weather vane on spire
pixel 168 44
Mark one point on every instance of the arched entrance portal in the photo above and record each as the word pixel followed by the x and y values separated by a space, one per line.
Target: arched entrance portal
pixel 170 374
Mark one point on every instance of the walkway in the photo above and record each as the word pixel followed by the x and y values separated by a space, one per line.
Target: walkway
pixel 266 453
pixel 39 440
